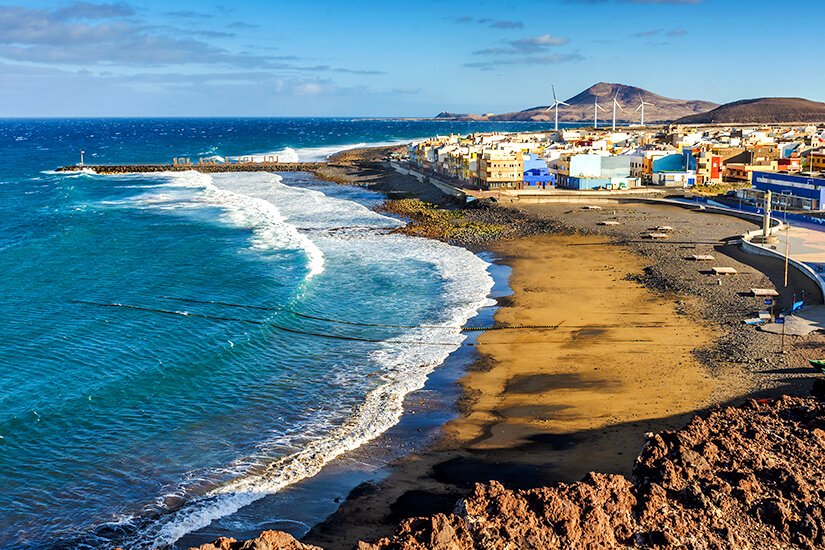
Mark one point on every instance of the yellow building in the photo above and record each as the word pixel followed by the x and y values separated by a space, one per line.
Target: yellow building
pixel 469 166
pixel 817 162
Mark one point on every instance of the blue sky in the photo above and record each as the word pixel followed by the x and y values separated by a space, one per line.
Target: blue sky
pixel 368 58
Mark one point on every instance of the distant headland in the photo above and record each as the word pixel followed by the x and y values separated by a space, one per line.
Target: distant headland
pixel 659 109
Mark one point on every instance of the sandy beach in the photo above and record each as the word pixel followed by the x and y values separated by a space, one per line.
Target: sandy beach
pixel 645 339
pixel 619 354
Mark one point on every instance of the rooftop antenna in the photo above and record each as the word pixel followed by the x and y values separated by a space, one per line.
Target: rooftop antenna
pixel 555 105
pixel 642 107
pixel 616 104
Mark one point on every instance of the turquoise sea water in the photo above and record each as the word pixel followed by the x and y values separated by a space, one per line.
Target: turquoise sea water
pixel 178 346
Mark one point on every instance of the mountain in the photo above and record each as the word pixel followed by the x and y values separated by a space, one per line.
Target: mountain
pixel 447 115
pixel 581 107
pixel 761 110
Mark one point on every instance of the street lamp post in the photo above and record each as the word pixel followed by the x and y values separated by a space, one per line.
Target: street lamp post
pixel 787 245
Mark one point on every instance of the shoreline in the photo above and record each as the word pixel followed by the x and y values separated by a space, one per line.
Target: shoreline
pixel 432 482
pixel 425 411
pixel 526 455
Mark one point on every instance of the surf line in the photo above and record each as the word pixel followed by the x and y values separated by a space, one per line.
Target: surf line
pixel 254 322
pixel 340 321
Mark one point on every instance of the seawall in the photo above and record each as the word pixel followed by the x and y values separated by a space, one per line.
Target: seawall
pixel 204 168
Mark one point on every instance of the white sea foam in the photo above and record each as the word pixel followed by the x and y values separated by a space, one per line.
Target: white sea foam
pixel 313 154
pixel 404 367
pixel 262 217
pixel 306 209
pixel 287 154
pixel 75 174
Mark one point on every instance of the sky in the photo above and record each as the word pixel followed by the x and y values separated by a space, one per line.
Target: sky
pixel 361 58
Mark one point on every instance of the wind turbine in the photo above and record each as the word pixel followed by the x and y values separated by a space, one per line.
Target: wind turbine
pixel 555 105
pixel 642 107
pixel 596 108
pixel 616 104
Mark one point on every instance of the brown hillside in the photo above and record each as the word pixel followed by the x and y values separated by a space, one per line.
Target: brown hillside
pixel 581 107
pixel 761 110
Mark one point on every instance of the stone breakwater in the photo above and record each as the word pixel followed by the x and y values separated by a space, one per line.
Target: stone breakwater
pixel 744 477
pixel 204 168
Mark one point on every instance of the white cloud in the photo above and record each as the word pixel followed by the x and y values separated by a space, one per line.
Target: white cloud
pixel 531 45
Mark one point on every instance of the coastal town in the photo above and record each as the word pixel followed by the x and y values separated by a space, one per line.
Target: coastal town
pixel 787 160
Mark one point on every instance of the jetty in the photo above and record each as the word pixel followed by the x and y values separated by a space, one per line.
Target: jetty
pixel 207 168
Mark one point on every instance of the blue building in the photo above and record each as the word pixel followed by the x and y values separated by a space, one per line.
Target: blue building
pixel 688 160
pixel 589 171
pixel 536 174
pixel 796 191
pixel 673 162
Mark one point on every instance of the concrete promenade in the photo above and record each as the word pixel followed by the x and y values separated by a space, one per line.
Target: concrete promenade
pixel 806 244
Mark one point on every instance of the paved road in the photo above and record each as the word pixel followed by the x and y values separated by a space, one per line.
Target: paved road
pixel 806 244
pixel 807 240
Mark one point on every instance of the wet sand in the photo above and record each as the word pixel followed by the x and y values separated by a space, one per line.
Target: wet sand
pixel 546 405
pixel 620 353
pixel 645 340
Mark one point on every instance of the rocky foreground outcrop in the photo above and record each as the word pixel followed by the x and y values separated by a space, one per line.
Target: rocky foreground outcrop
pixel 269 540
pixel 749 477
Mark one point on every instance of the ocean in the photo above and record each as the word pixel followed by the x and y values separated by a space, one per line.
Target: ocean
pixel 187 356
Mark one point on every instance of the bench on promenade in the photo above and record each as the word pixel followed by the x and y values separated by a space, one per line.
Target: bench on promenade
pixel 764 292
pixel 608 222
pixel 657 236
pixel 702 257
pixel 724 271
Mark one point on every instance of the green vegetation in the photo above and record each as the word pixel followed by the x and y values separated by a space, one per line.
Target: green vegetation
pixel 430 221
pixel 717 188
